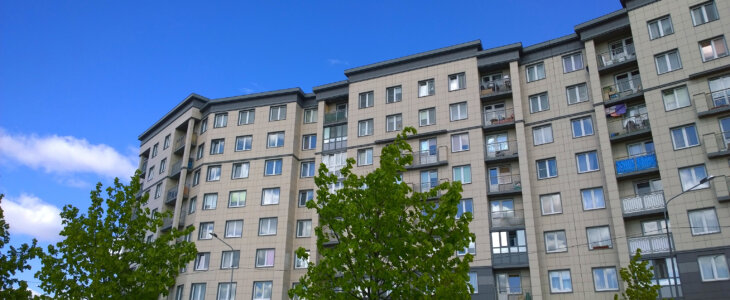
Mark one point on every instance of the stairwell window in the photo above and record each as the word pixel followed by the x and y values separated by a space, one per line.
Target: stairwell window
pixel 668 61
pixel 713 48
pixel 675 98
pixel 535 72
pixel 457 81
pixel 704 13
pixel 394 94
pixel 660 27
pixel 426 88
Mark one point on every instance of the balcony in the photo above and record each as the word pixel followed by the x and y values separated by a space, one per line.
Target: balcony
pixel 334 143
pixel 622 91
pixel 428 158
pixel 176 168
pixel 172 195
pixel 500 152
pixel 143 169
pixel 616 58
pixel 721 185
pixel 425 187
pixel 339 116
pixel 712 103
pixel 636 165
pixel 180 143
pixel 505 185
pixel 639 205
pixel 499 119
pixel 650 244
pixel 621 129
pixel 716 144
pixel 495 89
pixel 509 249
pixel 507 220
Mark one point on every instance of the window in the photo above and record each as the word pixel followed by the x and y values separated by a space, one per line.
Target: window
pixel 713 267
pixel 310 115
pixel 210 201
pixel 154 149
pixel 240 170
pixel 555 241
pixel 458 111
pixel 163 165
pixel 220 120
pixel 304 196
pixel 509 241
pixel 474 282
pixel 226 291
pixel 713 48
pixel 393 94
pixel 365 157
pixel 201 150
pixel 703 221
pixel 265 258
pixel 599 238
pixel 246 117
pixel 470 249
pixel 273 167
pixel 660 27
pixel 572 62
pixel 582 127
pixel 304 228
pixel 307 169
pixel 214 173
pixel 465 206
pixel 192 205
pixel 275 140
pixel 166 143
pixel 197 291
pixel 560 281
pixel 460 142
pixel 243 143
pixel 205 230
pixel 366 99
pixel 539 103
pixel 202 260
pixel 704 13
pixel 179 292
pixel 675 98
pixel 158 190
pixel 592 198
pixel 204 125
pixel 393 122
pixel 605 279
pixel 462 174
pixel 234 228
pixel 427 117
pixel 457 81
pixel 587 161
pixel 667 62
pixel 547 168
pixel 365 127
pixel 150 173
pixel 551 204
pixel 691 176
pixel 535 72
pixel 301 262
pixel 270 196
pixel 267 226
pixel 217 146
pixel 684 137
pixel 277 113
pixel 262 290
pixel 309 142
pixel 542 135
pixel 196 177
pixel 577 93
pixel 426 88
pixel 237 198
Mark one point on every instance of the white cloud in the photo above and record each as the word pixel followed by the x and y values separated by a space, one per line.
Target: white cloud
pixel 65 154
pixel 32 216
pixel 335 61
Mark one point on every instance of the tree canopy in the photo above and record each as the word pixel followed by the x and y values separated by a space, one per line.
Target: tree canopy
pixel 638 277
pixel 13 261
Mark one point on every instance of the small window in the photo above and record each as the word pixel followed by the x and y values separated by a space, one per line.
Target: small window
pixel 572 62
pixel 465 206
pixel 704 221
pixel 192 205
pixel 229 260
pixel 202 260
pixel 535 72
pixel 234 229
pixel 713 267
pixel 163 165
pixel 267 226
pixel 309 142
pixel 427 117
pixel 166 143
pixel 592 198
pixel 214 173
pixel 457 81
pixel 270 196
pixel 275 140
pixel 587 161
pixel 691 176
pixel 310 115
pixel 605 279
pixel 158 190
pixel 237 199
pixel 667 62
pixel 365 127
pixel 246 117
pixel 365 157
pixel 393 94
pixel 243 143
pixel 301 262
pixel 547 168
pixel 366 99
pixel 555 241
pixel 204 125
pixel 599 238
pixel 675 98
pixel 304 196
pixel 205 230
pixel 240 170
pixel 542 135
pixel 470 249
pixel 704 13
pixel 426 88
pixel 262 290
pixel 560 281
pixel 220 120
pixel 394 123
pixel 272 167
pixel 197 291
pixel 151 173
pixel 551 204
pixel 154 150
pixel 660 27
pixel 304 228
pixel 307 169
pixel 685 137
pixel 577 93
pixel 582 127
pixel 217 146
pixel 539 103
pixel 179 292
pixel 201 151
pixel 462 174
pixel 474 282
pixel 196 177
pixel 458 111
pixel 460 142
pixel 277 113
pixel 265 258
pixel 713 48
pixel 210 201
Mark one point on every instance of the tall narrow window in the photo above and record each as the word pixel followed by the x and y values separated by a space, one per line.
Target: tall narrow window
pixel 426 88
pixel 393 94
pixel 246 116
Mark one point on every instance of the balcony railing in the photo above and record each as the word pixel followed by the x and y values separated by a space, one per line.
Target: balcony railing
pixel 635 124
pixel 505 183
pixel 500 149
pixel 622 89
pixel 714 102
pixel 721 185
pixel 335 117
pixel 334 143
pixel 616 56
pixel 180 142
pixel 172 194
pixel 496 87
pixel 650 244
pixel 642 203
pixel 716 143
pixel 636 163
pixel 508 218
pixel 143 169
pixel 499 117
pixel 177 167
pixel 428 157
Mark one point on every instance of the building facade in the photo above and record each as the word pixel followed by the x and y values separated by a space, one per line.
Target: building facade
pixel 567 151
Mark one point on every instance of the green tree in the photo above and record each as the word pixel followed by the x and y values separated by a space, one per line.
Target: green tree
pixel 638 276
pixel 390 241
pixel 104 253
pixel 15 260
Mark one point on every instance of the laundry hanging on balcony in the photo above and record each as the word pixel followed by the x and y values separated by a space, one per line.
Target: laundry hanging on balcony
pixel 616 110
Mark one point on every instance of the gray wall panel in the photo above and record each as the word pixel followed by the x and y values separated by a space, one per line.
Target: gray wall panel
pixel 691 280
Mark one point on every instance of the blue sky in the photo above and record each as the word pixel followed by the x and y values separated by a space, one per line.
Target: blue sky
pixel 79 81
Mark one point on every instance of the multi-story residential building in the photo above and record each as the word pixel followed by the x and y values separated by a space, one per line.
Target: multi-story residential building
pixel 567 151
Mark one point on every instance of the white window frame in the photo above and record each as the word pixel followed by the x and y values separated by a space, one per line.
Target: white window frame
pixel 426 88
pixel 241 140
pixel 205 230
pixel 394 122
pixel 197 291
pixel 665 57
pixel 465 205
pixel 246 116
pixel 270 196
pixel 394 94
pixel 702 9
pixel 304 228
pixel 233 225
pixel 240 198
pixel 154 150
pixel 474 281
pixel 307 169
pixel 202 261
pixel 226 291
pixel 240 170
pixel 460 172
pixel 541 103
pixel 196 177
pixel 267 226
pixel 309 142
pixel 535 72
pixel 458 111
pixel 716 263
pixel 712 44
pixel 593 198
pixel 310 115
pixel 204 125
pixel 166 143
pixel 301 263
pixel 691 174
pixel 586 156
pixel 265 263
pixel 573 63
pixel 575 92
pixel 457 81
pixel 703 221
pixel 599 242
pixel 192 205
pixel 365 157
pixel 673 98
pixel 210 201
pixel 272 139
pixel 548 204
pixel 201 151
pixel 548 169
pixel 430 117
pixel 542 134
pixel 365 127
pixel 685 136
pixel 552 241
pixel 563 275
pixel 275 162
pixel 265 287
pixel 582 127
pixel 217 146
pixel 608 276
pixel 305 195
pixel 220 120
pixel 277 113
pixel 660 27
pixel 366 99
pixel 460 142
pixel 214 173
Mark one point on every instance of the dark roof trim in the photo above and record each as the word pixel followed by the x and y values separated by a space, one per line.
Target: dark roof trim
pixel 193 99
pixel 328 86
pixel 256 96
pixel 551 43
pixel 500 49
pixel 599 20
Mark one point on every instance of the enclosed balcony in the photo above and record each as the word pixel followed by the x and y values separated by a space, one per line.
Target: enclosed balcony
pixel 622 91
pixel 636 165
pixel 429 158
pixel 509 184
pixel 634 126
pixel 499 119
pixel 650 244
pixel 337 116
pixel 509 249
pixel 616 57
pixel 712 103
pixel 639 205
pixel 495 89
pixel 180 143
pixel 507 219
pixel 497 152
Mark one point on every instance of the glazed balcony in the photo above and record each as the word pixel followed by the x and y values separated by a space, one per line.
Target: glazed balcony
pixel 616 58
pixel 712 103
pixel 180 143
pixel 622 91
pixel 507 220
pixel 499 119
pixel 334 143
pixel 500 152
pixel 636 165
pixel 716 144
pixel 495 89
pixel 505 185
pixel 645 204
pixel 339 116
pixel 650 244
pixel 621 129
pixel 428 158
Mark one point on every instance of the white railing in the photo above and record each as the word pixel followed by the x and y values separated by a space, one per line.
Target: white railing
pixel 650 244
pixel 644 202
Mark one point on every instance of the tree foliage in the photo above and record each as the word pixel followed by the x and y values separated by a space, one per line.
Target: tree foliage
pixel 638 278
pixel 104 253
pixel 391 241
pixel 13 261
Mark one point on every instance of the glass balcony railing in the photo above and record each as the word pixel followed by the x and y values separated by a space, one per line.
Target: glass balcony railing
pixel 499 117
pixel 650 244
pixel 335 117
pixel 618 127
pixel 334 143
pixel 505 183
pixel 636 163
pixel 496 87
pixel 500 149
pixel 508 218
pixel 616 56
pixel 427 157
pixel 642 203
pixel 622 89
